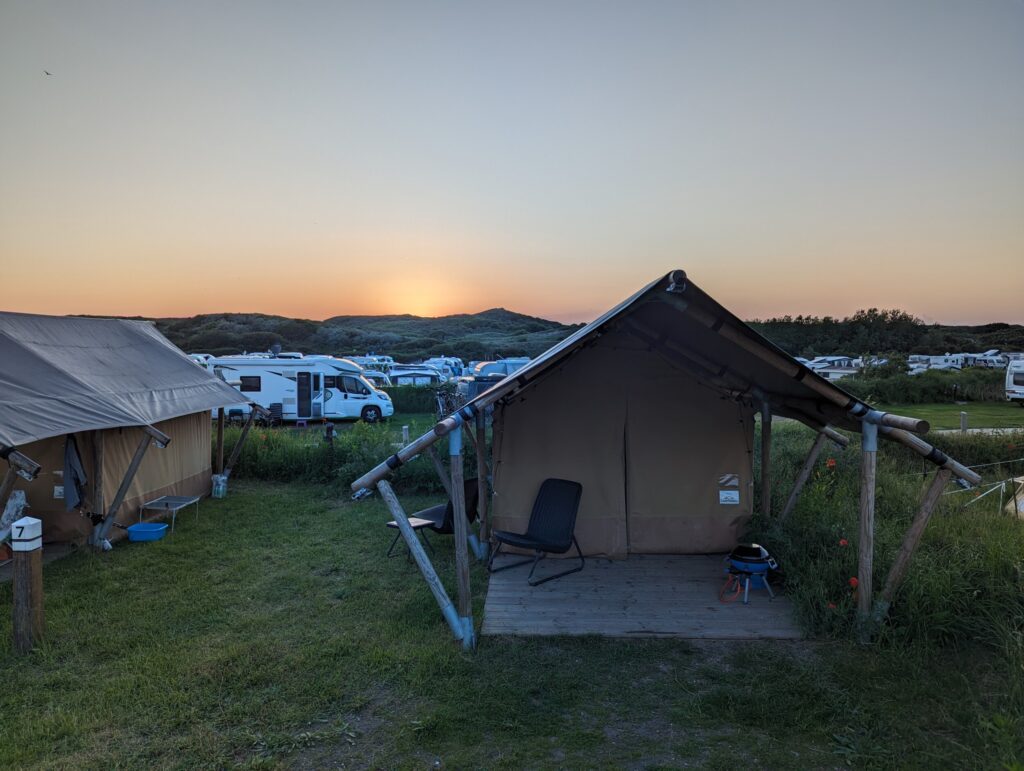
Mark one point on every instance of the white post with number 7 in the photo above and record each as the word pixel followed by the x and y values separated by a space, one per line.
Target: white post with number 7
pixel 27 544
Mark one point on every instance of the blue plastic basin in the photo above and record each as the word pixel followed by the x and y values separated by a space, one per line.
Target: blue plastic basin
pixel 147 531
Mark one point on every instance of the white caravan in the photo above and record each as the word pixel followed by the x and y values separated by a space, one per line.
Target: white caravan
pixel 305 387
pixel 1015 382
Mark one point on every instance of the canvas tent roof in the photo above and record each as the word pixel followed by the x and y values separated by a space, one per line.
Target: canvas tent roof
pixel 63 374
pixel 685 324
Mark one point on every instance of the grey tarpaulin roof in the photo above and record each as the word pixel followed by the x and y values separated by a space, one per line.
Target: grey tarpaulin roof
pixel 62 374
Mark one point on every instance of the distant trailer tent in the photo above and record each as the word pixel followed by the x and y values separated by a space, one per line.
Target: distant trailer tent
pixel 85 399
pixel 651 408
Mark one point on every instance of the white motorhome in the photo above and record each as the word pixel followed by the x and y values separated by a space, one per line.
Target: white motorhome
pixel 449 366
pixel 306 388
pixel 1015 382
pixel 415 374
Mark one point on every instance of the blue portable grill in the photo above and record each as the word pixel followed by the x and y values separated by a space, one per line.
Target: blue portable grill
pixel 749 563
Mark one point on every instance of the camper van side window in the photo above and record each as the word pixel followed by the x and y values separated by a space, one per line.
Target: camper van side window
pixel 250 383
pixel 353 386
pixel 330 381
pixel 1018 378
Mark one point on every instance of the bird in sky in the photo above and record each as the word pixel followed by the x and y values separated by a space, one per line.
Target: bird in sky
pixel 48 73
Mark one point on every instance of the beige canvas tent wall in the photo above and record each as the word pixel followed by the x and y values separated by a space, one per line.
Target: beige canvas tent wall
pixel 665 462
pixel 103 381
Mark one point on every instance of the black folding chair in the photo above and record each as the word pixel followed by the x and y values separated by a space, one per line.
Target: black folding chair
pixel 551 529
pixel 440 518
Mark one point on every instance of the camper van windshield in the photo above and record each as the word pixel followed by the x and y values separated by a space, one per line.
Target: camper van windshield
pixel 353 386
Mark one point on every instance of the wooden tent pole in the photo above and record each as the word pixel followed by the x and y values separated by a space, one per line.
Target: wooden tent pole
pixel 911 540
pixel 458 498
pixel 766 459
pixel 236 451
pixel 98 452
pixel 931 453
pixel 482 473
pixel 219 468
pixel 421 558
pixel 866 543
pixel 442 473
pixel 102 530
pixel 803 476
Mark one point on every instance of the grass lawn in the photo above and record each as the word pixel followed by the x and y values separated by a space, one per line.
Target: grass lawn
pixel 979 414
pixel 273 632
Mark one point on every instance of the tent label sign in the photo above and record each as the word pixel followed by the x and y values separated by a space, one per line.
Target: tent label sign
pixel 729 497
pixel 58 491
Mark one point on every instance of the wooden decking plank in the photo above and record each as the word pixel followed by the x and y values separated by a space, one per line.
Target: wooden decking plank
pixel 652 595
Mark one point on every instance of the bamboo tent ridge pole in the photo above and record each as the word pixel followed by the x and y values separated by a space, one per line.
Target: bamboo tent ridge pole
pixel 421 558
pixel 461 526
pixel 910 541
pixel 931 453
pixel 804 475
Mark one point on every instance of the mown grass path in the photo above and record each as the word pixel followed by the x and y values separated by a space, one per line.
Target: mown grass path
pixel 272 632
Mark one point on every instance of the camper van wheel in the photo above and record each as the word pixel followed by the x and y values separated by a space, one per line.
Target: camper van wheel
pixel 371 414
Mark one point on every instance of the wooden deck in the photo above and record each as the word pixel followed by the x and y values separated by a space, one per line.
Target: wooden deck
pixel 643 596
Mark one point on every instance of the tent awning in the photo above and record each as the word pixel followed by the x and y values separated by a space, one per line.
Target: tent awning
pixel 63 374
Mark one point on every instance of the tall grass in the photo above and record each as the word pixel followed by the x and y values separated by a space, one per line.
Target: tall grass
pixel 965 585
pixel 305 455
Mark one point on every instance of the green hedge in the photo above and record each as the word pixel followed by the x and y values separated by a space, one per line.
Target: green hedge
pixel 931 386
pixel 413 398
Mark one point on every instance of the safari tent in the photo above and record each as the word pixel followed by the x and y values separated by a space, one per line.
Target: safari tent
pixel 87 397
pixel 651 408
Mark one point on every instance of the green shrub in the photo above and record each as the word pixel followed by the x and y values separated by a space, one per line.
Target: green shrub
pixel 413 398
pixel 974 384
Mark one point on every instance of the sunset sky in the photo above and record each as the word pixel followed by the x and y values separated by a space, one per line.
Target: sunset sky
pixel 321 158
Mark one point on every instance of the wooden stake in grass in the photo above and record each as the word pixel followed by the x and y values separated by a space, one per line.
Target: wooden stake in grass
pixel 910 541
pixel 803 476
pixel 27 544
pixel 866 545
pixel 442 473
pixel 458 498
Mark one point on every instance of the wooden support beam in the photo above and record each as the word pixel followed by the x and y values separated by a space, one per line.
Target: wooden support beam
pixel 102 531
pixel 219 466
pixel 866 542
pixel 482 479
pixel 236 451
pixel 458 498
pixel 442 472
pixel 898 571
pixel 766 459
pixel 929 452
pixel 803 476
pixel 420 558
pixel 27 577
pixel 98 453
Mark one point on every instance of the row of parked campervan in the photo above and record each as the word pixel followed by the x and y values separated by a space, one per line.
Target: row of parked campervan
pixel 295 387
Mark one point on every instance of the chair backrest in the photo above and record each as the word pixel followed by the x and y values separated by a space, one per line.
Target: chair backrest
pixel 553 518
pixel 472 493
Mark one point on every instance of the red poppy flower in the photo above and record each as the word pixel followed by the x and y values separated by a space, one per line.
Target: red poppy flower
pixel 843 542
pixel 830 463
pixel 854 582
